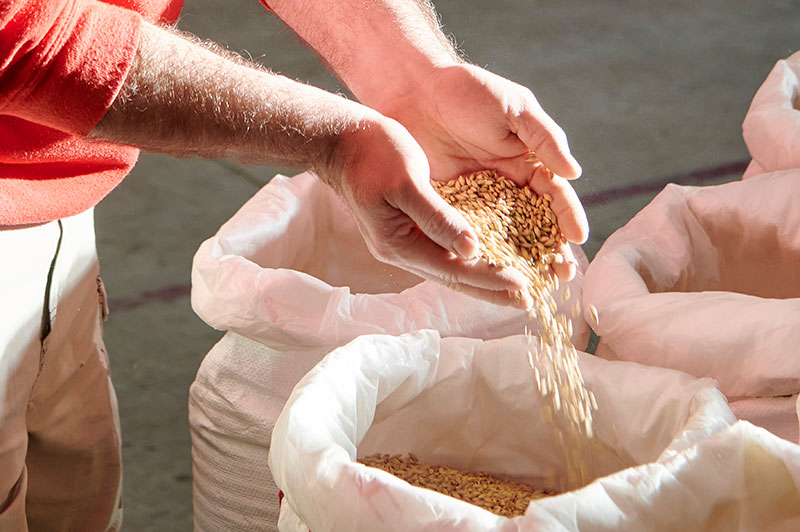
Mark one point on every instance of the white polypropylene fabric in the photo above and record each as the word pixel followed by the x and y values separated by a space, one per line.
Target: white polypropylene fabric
pixel 707 281
pixel 771 127
pixel 742 478
pixel 473 405
pixel 779 415
pixel 239 391
pixel 290 268
pixel 290 277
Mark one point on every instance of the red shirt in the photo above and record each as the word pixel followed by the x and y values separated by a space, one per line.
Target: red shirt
pixel 62 63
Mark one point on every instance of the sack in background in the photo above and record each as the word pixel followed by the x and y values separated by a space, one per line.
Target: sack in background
pixel 771 127
pixel 239 391
pixel 472 405
pixel 706 280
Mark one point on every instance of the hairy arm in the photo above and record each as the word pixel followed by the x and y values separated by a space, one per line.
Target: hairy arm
pixel 182 99
pixel 394 58
pixel 380 49
pixel 186 98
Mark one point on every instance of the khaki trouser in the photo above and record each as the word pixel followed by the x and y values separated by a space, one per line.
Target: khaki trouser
pixel 60 461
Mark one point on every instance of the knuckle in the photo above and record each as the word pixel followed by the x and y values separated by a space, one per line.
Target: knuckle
pixel 389 243
pixel 452 285
pixel 435 225
pixel 382 250
pixel 449 277
pixel 560 140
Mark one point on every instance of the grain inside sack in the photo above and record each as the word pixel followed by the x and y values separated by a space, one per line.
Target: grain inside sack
pixel 503 497
pixel 517 228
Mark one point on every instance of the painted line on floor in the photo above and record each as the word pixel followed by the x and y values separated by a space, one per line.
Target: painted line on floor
pixel 695 176
pixel 165 294
pixel 173 292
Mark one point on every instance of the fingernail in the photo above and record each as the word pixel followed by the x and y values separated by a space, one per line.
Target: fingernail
pixel 526 301
pixel 566 271
pixel 466 246
pixel 578 169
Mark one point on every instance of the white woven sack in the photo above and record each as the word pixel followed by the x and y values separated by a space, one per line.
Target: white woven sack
pixel 240 389
pixel 472 405
pixel 742 478
pixel 780 415
pixel 291 273
pixel 707 281
pixel 771 127
pixel 290 268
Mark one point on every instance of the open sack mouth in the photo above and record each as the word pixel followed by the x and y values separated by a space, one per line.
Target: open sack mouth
pixel 720 239
pixel 705 280
pixel 471 405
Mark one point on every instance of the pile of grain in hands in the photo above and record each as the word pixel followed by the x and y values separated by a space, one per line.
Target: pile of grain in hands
pixel 517 228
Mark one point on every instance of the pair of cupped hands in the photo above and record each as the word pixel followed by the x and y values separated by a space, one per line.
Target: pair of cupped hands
pixel 459 120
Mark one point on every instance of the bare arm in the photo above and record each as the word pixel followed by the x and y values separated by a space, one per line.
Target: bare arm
pixel 379 48
pixel 182 98
pixel 394 58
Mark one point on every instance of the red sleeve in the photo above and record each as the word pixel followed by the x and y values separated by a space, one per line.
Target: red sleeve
pixel 264 3
pixel 62 62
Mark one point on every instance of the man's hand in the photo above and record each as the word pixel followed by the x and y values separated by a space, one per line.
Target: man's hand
pixel 383 175
pixel 467 119
pixel 181 98
pixel 394 58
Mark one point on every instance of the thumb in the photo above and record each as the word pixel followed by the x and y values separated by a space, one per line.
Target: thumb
pixel 546 139
pixel 441 222
pixel 437 220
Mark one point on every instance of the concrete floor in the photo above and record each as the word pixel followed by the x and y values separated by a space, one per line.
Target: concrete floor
pixel 648 93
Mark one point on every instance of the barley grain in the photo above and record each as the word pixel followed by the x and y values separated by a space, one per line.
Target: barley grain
pixel 524 234
pixel 595 317
pixel 503 497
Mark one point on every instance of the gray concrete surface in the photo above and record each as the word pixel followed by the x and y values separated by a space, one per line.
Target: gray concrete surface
pixel 648 92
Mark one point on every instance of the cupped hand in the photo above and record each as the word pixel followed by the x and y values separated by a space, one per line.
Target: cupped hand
pixel 383 176
pixel 467 119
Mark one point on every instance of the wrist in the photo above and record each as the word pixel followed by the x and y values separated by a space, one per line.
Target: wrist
pixel 414 105
pixel 408 84
pixel 346 145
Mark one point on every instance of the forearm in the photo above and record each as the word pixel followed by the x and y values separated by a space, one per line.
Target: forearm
pixel 182 98
pixel 380 49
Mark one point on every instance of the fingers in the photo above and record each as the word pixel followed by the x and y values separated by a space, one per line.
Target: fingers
pixel 425 257
pixel 439 221
pixel 565 204
pixel 567 266
pixel 514 298
pixel 415 197
pixel 543 136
